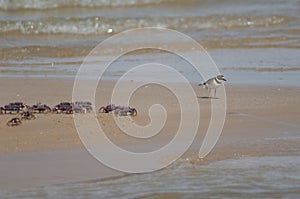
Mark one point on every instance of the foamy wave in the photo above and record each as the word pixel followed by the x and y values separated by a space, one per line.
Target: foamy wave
pixel 47 4
pixel 98 25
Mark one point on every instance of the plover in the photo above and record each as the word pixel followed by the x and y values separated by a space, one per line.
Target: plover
pixel 213 83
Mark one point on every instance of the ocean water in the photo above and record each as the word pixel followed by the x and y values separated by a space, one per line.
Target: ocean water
pixel 51 38
pixel 251 177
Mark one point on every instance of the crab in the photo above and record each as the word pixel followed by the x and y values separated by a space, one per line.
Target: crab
pixel 40 108
pixel 27 116
pixel 10 109
pixel 108 108
pixel 21 106
pixel 82 107
pixel 125 111
pixel 63 107
pixel 76 108
pixel 14 108
pixel 87 105
pixel 14 122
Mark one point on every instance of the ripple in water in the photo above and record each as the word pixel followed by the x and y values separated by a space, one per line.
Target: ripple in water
pixel 263 177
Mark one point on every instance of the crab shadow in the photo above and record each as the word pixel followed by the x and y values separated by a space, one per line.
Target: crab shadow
pixel 206 97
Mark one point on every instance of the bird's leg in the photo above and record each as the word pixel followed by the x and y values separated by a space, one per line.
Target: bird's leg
pixel 209 92
pixel 215 92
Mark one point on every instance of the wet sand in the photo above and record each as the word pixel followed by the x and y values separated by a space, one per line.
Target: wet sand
pixel 260 120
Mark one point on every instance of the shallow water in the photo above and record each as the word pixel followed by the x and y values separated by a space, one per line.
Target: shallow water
pixel 259 177
pixel 245 38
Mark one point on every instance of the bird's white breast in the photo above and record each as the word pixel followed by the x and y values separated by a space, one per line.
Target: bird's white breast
pixel 212 83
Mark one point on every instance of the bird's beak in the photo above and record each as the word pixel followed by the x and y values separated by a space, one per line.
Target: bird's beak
pixel 224 79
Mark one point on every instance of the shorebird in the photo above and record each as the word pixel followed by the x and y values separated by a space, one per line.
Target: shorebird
pixel 213 83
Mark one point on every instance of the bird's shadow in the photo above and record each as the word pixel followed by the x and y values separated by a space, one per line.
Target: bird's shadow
pixel 206 97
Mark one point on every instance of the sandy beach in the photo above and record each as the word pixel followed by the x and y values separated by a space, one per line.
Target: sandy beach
pixel 261 120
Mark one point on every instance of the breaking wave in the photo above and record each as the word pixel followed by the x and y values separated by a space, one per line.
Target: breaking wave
pixel 100 25
pixel 49 4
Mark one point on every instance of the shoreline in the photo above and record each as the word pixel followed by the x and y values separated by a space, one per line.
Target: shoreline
pixel 261 120
pixel 242 77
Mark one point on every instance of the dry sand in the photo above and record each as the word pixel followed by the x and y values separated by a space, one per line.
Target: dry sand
pixel 47 150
